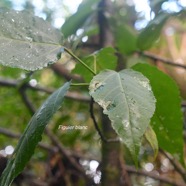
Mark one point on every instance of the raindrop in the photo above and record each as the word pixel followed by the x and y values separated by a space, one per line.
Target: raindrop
pixel 161 128
pixel 145 84
pixel 13 20
pixel 162 118
pixel 29 39
pixel 125 123
pixel 154 123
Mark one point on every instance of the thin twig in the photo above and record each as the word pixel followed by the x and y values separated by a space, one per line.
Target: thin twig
pixel 70 95
pixel 154 176
pixel 56 142
pixel 79 60
pixel 27 102
pixel 176 164
pixel 124 173
pixel 129 169
pixel 161 59
pixel 96 124
pixel 11 134
pixel 44 146
pixel 61 70
pixel 64 152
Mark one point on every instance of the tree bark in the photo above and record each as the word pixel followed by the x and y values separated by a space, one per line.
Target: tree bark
pixel 113 171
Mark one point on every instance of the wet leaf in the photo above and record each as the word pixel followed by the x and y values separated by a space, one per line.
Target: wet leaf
pixel 127 99
pixel 32 135
pixel 26 41
pixel 125 39
pixel 152 32
pixel 74 22
pixel 167 121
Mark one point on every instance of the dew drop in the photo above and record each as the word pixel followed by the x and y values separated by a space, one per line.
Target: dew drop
pixel 162 118
pixel 29 39
pixel 125 123
pixel 160 128
pixel 144 83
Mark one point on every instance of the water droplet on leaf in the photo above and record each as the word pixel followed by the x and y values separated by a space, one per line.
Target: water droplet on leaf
pixel 125 123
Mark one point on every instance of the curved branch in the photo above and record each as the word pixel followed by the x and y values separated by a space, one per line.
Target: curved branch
pixel 160 59
pixel 70 95
pixel 154 176
pixel 176 165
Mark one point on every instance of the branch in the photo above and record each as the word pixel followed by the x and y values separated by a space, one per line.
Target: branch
pixel 70 95
pixel 176 165
pixel 11 134
pixel 57 143
pixel 44 146
pixel 71 159
pixel 62 71
pixel 27 102
pixel 161 59
pixel 96 124
pixel 154 176
pixel 124 172
pixel 129 169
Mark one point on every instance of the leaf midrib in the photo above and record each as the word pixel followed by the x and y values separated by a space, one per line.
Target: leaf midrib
pixel 124 95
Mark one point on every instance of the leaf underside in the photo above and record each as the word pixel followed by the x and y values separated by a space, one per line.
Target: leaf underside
pixel 127 99
pixel 32 135
pixel 26 41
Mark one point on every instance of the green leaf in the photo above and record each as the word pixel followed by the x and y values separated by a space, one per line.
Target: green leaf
pixel 167 121
pixel 125 39
pixel 32 135
pixel 127 99
pixel 152 32
pixel 74 22
pixel 26 41
pixel 150 136
pixel 100 60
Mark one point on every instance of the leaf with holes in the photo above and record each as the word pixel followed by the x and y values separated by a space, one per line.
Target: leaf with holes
pixel 26 41
pixel 32 135
pixel 127 99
